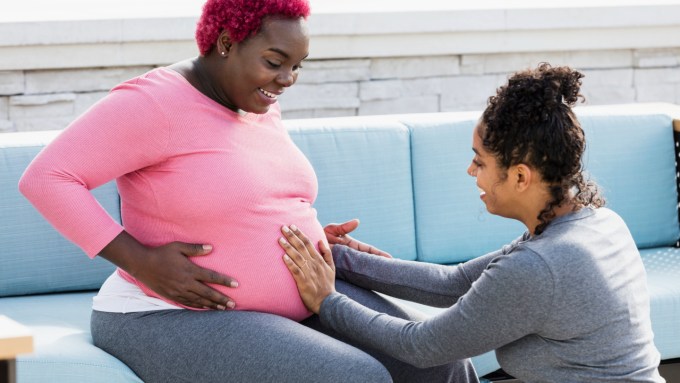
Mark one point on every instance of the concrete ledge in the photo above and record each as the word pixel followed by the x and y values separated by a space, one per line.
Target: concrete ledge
pixel 91 34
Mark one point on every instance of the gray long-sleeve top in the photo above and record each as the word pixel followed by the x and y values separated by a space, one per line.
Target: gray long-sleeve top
pixel 568 305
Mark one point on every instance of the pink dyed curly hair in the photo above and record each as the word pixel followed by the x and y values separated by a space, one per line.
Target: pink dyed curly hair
pixel 241 18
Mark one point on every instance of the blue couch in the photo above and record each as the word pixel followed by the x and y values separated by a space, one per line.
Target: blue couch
pixel 404 176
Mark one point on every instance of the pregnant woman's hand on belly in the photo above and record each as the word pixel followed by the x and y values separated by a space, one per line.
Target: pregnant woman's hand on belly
pixel 167 271
pixel 337 234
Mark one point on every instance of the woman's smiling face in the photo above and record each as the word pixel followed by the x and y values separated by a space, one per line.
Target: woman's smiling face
pixel 492 181
pixel 259 68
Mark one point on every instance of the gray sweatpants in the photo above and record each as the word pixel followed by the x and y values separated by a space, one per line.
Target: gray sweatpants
pixel 241 346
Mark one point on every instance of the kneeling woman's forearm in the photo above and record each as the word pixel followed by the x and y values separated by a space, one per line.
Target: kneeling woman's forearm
pixel 426 283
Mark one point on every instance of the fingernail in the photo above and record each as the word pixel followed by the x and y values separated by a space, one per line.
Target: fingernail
pixel 220 307
pixel 231 304
pixel 286 230
pixel 282 241
pixel 207 247
pixel 293 227
pixel 234 284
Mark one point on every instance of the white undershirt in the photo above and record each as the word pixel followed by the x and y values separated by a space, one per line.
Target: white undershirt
pixel 120 296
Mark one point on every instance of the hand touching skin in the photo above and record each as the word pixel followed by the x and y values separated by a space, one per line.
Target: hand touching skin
pixel 337 234
pixel 313 274
pixel 168 271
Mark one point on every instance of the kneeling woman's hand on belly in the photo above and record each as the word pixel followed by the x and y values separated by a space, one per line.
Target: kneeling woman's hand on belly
pixel 338 234
pixel 314 274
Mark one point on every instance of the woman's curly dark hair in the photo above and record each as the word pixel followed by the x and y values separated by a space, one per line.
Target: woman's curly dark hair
pixel 530 121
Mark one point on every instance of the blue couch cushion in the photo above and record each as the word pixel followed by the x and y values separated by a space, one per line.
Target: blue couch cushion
pixel 35 258
pixel 363 166
pixel 663 268
pixel 64 353
pixel 633 158
pixel 453 224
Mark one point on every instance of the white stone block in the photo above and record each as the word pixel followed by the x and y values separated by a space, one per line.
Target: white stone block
pixel 320 96
pixel 45 123
pixel 599 78
pixel 335 112
pixel 658 93
pixel 432 66
pixel 425 86
pixel 325 71
pixel 595 59
pixel 608 95
pixel 79 80
pixel 85 100
pixel 422 104
pixel 7 126
pixel 156 53
pixel 656 76
pixel 4 108
pixel 318 113
pixel 469 92
pixel 657 58
pixel 296 114
pixel 451 103
pixel 380 90
pixel 11 82
pixel 508 63
pixel 42 106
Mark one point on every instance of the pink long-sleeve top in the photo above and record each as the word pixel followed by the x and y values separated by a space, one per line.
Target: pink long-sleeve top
pixel 187 169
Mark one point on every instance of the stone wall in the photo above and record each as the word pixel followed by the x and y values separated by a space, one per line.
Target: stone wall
pixel 426 56
pixel 464 82
pixel 50 99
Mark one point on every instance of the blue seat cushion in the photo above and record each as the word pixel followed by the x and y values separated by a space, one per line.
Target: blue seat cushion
pixel 63 349
pixel 632 157
pixel 663 268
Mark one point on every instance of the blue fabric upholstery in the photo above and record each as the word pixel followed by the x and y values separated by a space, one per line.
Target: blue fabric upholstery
pixel 64 352
pixel 663 269
pixel 35 258
pixel 453 224
pixel 633 158
pixel 362 165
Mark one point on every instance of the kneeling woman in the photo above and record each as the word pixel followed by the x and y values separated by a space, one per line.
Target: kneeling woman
pixel 565 302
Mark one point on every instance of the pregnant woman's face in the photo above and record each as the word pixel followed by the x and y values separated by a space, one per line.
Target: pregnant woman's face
pixel 258 69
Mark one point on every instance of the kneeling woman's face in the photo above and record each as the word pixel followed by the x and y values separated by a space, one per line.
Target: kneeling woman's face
pixel 494 188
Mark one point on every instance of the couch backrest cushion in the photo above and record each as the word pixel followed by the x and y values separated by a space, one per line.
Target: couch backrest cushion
pixel 35 258
pixel 453 224
pixel 632 157
pixel 630 153
pixel 364 171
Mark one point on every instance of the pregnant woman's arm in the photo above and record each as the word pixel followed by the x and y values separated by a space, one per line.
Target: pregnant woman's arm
pixel 121 134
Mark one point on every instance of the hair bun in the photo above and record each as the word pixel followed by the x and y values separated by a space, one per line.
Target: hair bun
pixel 561 84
